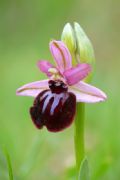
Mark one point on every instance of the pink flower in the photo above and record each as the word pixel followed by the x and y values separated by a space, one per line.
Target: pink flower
pixel 57 95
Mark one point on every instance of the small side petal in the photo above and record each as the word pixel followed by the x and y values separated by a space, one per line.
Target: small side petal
pixel 61 55
pixel 76 74
pixel 32 89
pixel 87 93
pixel 44 66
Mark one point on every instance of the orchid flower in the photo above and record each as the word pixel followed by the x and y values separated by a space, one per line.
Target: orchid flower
pixel 55 98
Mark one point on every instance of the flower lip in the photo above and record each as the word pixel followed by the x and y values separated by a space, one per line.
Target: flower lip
pixel 54 110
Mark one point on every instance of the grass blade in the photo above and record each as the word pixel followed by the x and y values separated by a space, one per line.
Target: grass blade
pixel 8 164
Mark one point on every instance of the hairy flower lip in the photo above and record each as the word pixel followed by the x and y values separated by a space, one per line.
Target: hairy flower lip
pixel 54 108
pixel 72 76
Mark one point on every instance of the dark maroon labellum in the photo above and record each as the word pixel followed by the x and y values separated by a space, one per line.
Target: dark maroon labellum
pixel 54 108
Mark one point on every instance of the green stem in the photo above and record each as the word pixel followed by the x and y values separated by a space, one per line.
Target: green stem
pixel 79 135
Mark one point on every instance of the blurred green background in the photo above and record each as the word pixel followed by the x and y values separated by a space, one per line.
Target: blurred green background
pixel 26 27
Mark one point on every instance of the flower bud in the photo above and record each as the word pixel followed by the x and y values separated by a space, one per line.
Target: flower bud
pixel 68 38
pixel 84 46
pixel 78 44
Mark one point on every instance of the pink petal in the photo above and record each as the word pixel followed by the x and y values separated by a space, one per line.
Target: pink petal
pixel 76 74
pixel 32 89
pixel 87 93
pixel 61 55
pixel 44 66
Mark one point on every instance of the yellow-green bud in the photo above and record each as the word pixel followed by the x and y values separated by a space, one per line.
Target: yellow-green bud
pixel 78 44
pixel 68 38
pixel 84 46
